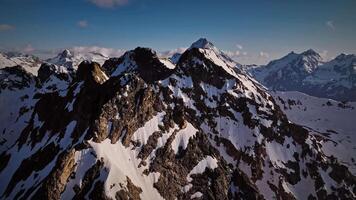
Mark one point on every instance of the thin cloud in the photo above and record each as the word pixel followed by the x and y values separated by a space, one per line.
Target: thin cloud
pixel 324 55
pixel 169 53
pixel 6 27
pixel 235 54
pixel 85 51
pixel 82 23
pixel 239 46
pixel 107 52
pixel 232 53
pixel 330 25
pixel 263 54
pixel 109 3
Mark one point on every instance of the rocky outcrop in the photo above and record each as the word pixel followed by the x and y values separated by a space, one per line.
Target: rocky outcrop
pixel 46 70
pixel 35 163
pixel 16 77
pixel 56 181
pixel 142 61
pixel 91 72
pixel 132 192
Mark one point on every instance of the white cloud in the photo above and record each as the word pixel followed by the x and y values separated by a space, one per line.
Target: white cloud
pixel 232 53
pixel 264 54
pixel 324 55
pixel 82 23
pixel 109 3
pixel 244 53
pixel 108 52
pixel 330 24
pixel 169 53
pixel 6 27
pixel 239 46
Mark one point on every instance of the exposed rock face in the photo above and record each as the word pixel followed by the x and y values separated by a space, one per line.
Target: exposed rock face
pixel 46 70
pixel 149 67
pixel 143 61
pixel 91 72
pixel 15 78
pixel 138 129
pixel 56 181
pixel 133 192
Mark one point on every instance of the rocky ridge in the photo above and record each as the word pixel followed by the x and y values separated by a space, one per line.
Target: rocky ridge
pixel 137 127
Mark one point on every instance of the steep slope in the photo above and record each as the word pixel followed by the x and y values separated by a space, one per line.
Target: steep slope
pixel 19 92
pixel 175 58
pixel 16 87
pixel 332 118
pixel 139 128
pixel 306 72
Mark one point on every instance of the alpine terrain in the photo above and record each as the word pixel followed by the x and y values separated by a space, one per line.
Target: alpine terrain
pixel 308 73
pixel 195 126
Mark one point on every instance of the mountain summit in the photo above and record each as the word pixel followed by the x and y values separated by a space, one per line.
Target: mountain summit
pixel 203 43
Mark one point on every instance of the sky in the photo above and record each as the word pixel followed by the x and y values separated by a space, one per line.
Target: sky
pixel 252 32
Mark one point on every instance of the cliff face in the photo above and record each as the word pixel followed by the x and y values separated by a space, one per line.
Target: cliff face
pixel 138 129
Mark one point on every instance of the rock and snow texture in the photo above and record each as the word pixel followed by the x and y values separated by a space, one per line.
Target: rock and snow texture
pixel 308 73
pixel 28 62
pixel 71 58
pixel 335 120
pixel 142 127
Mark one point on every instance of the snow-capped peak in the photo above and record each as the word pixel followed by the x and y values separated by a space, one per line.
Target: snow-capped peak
pixel 305 62
pixel 203 43
pixel 215 55
pixel 73 57
pixel 143 61
pixel 310 60
pixel 310 52
pixel 66 53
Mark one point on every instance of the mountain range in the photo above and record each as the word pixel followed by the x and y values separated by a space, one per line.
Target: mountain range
pixel 196 126
pixel 308 73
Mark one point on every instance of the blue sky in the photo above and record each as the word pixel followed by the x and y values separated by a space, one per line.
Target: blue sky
pixel 250 31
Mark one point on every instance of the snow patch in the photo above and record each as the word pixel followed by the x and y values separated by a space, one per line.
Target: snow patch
pixel 207 162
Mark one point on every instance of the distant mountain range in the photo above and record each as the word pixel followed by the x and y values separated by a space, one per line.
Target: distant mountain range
pixel 29 62
pixel 305 72
pixel 308 73
pixel 69 59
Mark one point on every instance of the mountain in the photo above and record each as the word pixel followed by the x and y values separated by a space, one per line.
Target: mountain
pixel 140 127
pixel 308 73
pixel 288 72
pixel 72 58
pixel 335 79
pixel 329 117
pixel 29 62
pixel 175 57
